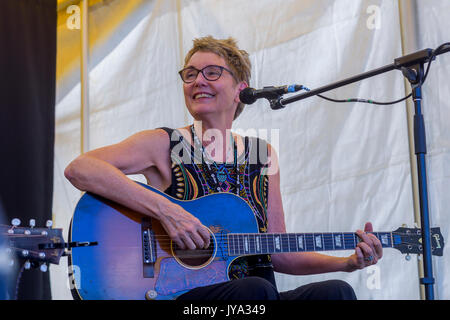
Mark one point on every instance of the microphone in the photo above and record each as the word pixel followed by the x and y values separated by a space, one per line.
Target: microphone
pixel 250 95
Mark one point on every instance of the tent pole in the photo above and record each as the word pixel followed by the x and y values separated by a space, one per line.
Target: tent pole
pixel 84 76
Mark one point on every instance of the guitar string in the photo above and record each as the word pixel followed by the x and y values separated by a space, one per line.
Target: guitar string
pixel 345 234
pixel 225 252
pixel 347 242
pixel 223 248
pixel 308 237
pixel 348 235
pixel 241 251
pixel 249 234
pixel 347 245
pixel 241 248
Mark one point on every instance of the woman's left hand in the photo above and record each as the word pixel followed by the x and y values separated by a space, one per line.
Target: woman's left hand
pixel 367 252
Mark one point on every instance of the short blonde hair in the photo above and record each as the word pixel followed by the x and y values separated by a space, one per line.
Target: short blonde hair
pixel 238 60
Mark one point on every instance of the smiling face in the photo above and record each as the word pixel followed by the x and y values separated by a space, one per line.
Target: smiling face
pixel 204 97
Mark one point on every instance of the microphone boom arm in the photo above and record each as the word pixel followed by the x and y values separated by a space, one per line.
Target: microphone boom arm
pixel 399 63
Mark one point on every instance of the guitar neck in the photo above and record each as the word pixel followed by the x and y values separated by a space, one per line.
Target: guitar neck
pixel 269 243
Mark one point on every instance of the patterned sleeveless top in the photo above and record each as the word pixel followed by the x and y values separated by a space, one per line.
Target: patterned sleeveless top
pixel 192 178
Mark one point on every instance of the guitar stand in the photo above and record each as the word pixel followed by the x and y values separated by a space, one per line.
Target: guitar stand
pixel 412 67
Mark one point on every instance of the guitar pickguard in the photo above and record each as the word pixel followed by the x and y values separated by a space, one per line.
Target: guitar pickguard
pixel 175 278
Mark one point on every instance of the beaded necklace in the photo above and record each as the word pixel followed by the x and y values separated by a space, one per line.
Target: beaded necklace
pixel 220 176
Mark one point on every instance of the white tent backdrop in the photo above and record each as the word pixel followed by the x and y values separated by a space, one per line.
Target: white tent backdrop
pixel 341 164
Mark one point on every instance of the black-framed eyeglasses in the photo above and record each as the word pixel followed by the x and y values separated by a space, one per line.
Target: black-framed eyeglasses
pixel 211 73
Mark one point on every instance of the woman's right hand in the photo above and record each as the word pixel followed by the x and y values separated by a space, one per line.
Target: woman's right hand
pixel 182 227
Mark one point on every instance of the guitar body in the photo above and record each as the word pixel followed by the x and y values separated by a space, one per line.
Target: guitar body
pixel 116 268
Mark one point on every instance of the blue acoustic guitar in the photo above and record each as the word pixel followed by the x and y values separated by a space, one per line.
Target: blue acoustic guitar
pixel 135 259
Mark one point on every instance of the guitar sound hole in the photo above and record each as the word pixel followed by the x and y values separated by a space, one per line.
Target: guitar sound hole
pixel 194 258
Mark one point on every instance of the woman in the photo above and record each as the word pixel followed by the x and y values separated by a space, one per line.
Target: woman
pixel 178 161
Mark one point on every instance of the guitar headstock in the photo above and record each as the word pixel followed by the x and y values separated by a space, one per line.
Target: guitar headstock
pixel 34 246
pixel 409 240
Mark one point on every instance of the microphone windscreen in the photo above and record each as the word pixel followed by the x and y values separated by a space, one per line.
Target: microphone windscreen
pixel 246 96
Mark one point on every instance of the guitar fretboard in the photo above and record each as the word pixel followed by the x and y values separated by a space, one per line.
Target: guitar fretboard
pixel 269 243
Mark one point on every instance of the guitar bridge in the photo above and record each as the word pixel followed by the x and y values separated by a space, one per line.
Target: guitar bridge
pixel 148 248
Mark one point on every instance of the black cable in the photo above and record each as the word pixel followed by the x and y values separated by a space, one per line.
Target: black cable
pixel 365 100
pixel 433 55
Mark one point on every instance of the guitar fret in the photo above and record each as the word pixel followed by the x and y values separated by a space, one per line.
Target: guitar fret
pixel 309 242
pixel 328 241
pixel 264 244
pixel 349 240
pixel 292 243
pixel 270 243
pixel 284 244
pixel 252 243
pixel 239 244
pixel 231 247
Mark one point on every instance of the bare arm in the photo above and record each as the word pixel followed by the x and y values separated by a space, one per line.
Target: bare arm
pixel 103 171
pixel 303 263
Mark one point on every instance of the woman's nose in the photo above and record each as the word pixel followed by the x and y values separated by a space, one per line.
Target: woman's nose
pixel 200 80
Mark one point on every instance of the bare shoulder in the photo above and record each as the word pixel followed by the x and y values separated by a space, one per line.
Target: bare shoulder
pixel 149 136
pixel 147 143
pixel 136 153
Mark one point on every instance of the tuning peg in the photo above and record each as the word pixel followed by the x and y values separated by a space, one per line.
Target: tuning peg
pixel 49 223
pixel 32 223
pixel 407 257
pixel 15 222
pixel 43 267
pixel 27 265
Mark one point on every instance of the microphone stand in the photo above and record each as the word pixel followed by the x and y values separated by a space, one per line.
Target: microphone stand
pixel 412 67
